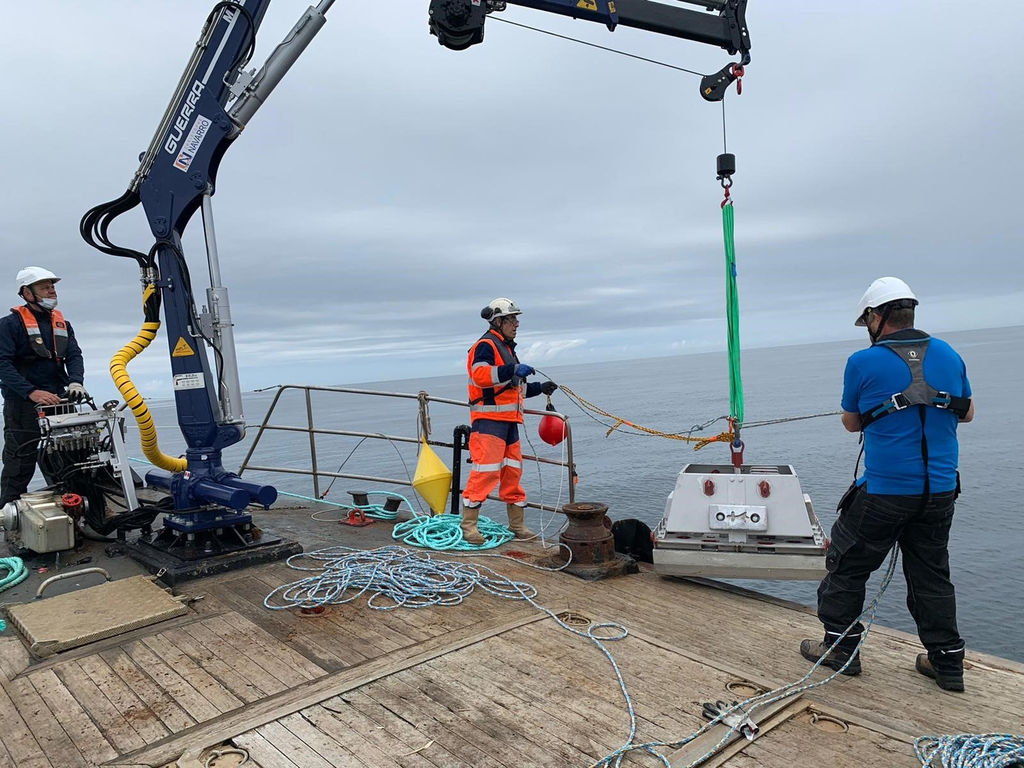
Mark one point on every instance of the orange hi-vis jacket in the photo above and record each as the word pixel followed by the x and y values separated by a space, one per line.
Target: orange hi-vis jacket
pixel 494 390
pixel 35 338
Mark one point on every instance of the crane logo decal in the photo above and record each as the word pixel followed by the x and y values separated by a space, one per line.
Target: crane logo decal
pixel 200 128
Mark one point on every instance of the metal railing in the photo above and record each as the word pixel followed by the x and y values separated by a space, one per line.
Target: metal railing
pixel 458 444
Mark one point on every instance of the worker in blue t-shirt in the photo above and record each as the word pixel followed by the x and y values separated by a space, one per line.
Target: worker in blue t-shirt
pixel 907 393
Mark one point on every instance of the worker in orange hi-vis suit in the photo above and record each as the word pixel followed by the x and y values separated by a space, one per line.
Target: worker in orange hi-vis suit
pixel 497 386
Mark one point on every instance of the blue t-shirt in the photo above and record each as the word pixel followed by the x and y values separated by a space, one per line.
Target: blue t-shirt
pixel 893 462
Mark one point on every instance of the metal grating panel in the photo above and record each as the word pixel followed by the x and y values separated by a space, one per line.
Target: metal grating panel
pixel 55 624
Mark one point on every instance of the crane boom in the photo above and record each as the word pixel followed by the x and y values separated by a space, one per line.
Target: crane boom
pixel 212 103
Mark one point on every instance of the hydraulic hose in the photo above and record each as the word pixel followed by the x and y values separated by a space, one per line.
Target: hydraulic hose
pixel 119 373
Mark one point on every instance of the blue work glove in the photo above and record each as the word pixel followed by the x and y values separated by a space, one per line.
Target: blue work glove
pixel 548 387
pixel 523 370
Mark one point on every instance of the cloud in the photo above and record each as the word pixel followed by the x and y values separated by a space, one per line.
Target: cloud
pixel 389 187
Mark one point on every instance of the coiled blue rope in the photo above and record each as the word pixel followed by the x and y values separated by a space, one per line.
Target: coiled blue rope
pixel 971 750
pixel 390 577
pixel 16 572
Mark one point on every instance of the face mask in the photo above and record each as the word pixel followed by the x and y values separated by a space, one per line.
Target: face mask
pixel 48 304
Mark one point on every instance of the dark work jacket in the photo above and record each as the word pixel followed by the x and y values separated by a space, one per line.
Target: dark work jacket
pixel 23 370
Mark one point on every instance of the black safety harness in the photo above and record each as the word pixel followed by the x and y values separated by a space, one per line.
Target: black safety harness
pixel 920 393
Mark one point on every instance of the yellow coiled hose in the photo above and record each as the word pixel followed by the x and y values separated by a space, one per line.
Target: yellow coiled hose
pixel 119 373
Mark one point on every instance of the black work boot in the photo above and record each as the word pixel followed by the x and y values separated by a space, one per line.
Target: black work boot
pixel 835 659
pixel 946 668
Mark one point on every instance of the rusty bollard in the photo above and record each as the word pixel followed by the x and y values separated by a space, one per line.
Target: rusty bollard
pixel 589 538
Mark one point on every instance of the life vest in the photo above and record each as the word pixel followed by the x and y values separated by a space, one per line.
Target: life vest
pixel 920 392
pixel 504 400
pixel 35 337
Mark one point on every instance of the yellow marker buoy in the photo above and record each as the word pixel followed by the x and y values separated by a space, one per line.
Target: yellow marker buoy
pixel 433 480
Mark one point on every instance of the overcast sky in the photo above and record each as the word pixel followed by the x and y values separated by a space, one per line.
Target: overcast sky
pixel 390 187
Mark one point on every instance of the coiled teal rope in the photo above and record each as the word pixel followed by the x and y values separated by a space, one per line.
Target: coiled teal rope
pixel 971 750
pixel 16 572
pixel 443 532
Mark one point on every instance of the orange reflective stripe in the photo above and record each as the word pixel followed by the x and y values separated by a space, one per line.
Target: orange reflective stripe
pixel 485 384
pixel 486 452
pixel 495 462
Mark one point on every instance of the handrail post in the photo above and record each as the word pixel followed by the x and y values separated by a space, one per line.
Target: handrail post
pixel 259 432
pixel 312 444
pixel 460 440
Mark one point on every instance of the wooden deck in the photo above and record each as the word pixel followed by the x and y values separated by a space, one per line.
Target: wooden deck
pixel 491 682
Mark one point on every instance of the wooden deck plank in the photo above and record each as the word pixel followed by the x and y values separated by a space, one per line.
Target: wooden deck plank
pixel 19 743
pixel 461 712
pixel 379 724
pixel 139 716
pixel 257 666
pixel 261 649
pixel 589 686
pixel 14 657
pixel 603 713
pixel 532 737
pixel 797 739
pixel 244 598
pixel 309 693
pixel 254 680
pixel 159 701
pixel 201 680
pixel 299 752
pixel 584 688
pixel 534 696
pixel 41 721
pixel 178 688
pixel 350 748
pixel 333 634
pixel 548 717
pixel 414 707
pixel 262 751
pixel 371 634
pixel 110 721
pixel 88 740
pixel 276 648
pixel 889 683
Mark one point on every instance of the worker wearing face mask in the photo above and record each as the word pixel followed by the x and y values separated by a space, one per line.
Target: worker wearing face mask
pixel 40 362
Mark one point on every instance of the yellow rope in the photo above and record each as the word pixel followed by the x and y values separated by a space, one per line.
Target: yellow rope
pixel 699 442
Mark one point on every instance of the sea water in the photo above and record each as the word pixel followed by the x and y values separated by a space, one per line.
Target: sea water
pixel 633 472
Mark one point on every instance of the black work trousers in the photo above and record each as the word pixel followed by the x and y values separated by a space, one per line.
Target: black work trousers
pixel 863 535
pixel 21 444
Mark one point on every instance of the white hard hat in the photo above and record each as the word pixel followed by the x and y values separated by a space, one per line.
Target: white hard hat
pixel 30 275
pixel 499 307
pixel 882 291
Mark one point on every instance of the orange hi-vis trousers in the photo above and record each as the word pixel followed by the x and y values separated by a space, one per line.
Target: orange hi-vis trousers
pixel 497 460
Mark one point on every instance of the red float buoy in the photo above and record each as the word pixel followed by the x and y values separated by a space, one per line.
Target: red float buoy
pixel 551 428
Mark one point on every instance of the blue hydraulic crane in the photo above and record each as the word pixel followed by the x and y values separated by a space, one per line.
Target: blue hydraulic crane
pixel 214 100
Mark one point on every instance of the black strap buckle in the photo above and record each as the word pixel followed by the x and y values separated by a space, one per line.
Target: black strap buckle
pixel 942 400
